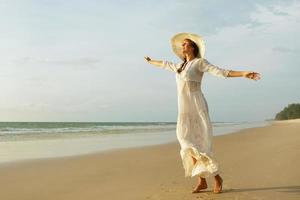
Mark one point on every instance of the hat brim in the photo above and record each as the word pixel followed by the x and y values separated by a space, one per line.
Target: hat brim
pixel 176 42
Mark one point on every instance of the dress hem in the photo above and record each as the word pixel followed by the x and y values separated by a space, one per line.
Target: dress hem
pixel 204 167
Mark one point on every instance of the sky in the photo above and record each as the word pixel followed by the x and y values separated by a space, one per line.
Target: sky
pixel 84 60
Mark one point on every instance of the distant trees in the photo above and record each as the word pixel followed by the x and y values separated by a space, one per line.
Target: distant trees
pixel 292 111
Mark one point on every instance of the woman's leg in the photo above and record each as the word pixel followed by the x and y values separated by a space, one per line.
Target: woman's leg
pixel 202 184
pixel 218 184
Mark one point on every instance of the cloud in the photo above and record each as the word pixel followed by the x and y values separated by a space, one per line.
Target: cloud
pixel 83 61
pixel 285 50
pixel 274 33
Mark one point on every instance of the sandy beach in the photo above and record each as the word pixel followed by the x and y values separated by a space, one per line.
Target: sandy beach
pixel 255 163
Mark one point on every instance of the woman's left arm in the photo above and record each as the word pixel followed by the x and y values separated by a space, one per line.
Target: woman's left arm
pixel 246 74
pixel 205 66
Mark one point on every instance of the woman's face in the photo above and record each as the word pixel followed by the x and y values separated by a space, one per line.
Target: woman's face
pixel 186 47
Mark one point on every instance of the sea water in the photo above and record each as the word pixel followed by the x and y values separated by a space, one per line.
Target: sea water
pixel 31 140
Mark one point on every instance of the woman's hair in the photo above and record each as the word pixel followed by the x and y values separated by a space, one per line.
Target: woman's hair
pixel 195 51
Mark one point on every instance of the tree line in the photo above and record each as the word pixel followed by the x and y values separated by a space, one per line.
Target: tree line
pixel 292 111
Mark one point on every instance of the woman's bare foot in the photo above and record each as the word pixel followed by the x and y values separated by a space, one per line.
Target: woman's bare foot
pixel 201 186
pixel 218 184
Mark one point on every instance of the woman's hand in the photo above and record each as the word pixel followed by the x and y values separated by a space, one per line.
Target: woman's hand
pixel 251 75
pixel 147 58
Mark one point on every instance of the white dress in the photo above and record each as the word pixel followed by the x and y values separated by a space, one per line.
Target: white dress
pixel 194 128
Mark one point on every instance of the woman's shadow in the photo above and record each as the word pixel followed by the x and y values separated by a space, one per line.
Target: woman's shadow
pixel 287 189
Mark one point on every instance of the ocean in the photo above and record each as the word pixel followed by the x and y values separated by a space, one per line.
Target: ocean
pixel 32 140
pixel 45 130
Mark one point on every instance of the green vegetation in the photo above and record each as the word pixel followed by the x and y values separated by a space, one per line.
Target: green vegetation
pixel 292 111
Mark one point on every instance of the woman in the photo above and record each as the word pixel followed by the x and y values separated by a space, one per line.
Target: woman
pixel 194 128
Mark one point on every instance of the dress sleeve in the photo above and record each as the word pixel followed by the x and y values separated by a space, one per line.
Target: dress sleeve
pixel 170 66
pixel 205 66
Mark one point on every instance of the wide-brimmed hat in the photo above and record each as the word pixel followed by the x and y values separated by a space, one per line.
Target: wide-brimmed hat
pixel 176 42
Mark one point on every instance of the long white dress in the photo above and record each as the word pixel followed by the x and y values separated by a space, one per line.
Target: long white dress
pixel 194 128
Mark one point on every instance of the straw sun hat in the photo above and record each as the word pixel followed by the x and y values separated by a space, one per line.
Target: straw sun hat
pixel 176 42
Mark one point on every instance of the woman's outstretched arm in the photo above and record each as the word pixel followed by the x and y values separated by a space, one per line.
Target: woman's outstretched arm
pixel 164 64
pixel 158 63
pixel 246 74
pixel 205 66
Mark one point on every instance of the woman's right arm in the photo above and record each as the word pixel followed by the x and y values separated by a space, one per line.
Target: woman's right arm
pixel 158 63
pixel 163 64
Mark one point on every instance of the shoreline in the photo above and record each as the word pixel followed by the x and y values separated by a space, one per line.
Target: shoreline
pixel 43 148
